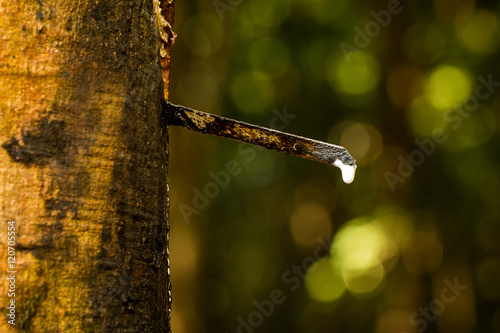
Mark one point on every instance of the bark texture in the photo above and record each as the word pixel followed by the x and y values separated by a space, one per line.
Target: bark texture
pixel 83 167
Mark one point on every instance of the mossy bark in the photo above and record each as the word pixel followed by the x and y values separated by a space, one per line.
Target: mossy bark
pixel 83 167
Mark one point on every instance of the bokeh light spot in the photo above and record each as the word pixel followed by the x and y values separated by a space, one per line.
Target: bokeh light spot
pixel 357 138
pixel 362 272
pixel 363 141
pixel 447 86
pixel 359 236
pixel 323 283
pixel 358 251
pixel 480 32
pixel 357 76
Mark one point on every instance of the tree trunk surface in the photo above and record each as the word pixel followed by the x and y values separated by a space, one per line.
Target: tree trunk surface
pixel 83 168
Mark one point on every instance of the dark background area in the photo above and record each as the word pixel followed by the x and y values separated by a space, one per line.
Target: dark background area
pixel 283 245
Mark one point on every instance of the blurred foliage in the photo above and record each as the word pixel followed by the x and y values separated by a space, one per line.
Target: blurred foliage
pixel 281 244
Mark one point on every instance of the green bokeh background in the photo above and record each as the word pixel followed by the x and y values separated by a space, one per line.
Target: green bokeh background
pixel 394 82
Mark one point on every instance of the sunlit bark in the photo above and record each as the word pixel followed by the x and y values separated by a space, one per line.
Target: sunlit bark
pixel 83 169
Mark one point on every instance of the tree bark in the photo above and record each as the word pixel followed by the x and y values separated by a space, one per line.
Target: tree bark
pixel 83 167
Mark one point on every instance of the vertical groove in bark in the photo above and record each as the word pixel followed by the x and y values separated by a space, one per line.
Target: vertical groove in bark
pixel 82 166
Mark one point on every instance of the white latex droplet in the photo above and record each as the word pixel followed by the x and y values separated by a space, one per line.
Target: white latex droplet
pixel 348 171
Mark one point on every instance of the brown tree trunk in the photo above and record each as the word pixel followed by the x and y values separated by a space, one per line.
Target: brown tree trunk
pixel 83 168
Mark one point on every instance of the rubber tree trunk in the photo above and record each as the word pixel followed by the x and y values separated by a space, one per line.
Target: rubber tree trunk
pixel 83 167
